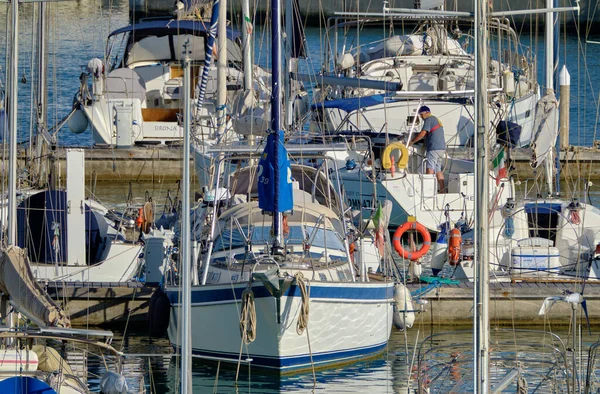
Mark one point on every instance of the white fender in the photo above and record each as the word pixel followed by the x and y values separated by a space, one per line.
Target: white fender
pixel 404 315
pixel 415 270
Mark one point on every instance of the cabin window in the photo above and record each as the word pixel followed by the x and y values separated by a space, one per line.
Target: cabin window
pixel 543 220
pixel 261 235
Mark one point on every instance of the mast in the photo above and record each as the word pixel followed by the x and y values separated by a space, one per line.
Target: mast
pixel 289 40
pixel 276 114
pixel 482 277
pixel 186 298
pixel 41 67
pixel 247 49
pixel 549 27
pixel 550 65
pixel 247 54
pixel 42 106
pixel 12 126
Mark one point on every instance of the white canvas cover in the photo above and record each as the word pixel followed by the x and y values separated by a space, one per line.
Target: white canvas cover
pixel 545 128
pixel 16 279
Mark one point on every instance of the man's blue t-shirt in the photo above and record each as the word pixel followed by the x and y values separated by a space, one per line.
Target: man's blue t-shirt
pixel 435 139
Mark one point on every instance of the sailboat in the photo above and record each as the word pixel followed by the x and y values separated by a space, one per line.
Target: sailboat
pixel 33 321
pixel 377 88
pixel 136 94
pixel 283 260
pixel 485 364
pixel 542 236
pixel 67 236
pixel 498 360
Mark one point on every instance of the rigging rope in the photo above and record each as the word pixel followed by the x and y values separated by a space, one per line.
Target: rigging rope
pixel 304 286
pixel 248 317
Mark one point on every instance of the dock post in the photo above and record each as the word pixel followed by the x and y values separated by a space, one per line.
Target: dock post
pixel 565 90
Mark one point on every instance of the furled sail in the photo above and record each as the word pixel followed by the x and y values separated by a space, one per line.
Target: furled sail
pixel 16 279
pixel 275 192
pixel 545 128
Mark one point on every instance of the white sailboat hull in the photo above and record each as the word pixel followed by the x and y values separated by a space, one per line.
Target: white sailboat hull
pixel 396 117
pixel 347 321
pixel 121 265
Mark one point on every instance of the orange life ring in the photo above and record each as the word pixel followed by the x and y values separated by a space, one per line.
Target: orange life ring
pixel 413 256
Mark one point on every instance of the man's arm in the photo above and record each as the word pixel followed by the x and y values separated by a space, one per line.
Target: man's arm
pixel 417 137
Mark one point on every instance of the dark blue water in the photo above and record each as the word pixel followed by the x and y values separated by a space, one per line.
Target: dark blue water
pixel 78 31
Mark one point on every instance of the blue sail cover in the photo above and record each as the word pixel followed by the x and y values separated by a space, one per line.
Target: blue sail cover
pixel 354 103
pixel 42 229
pixel 267 194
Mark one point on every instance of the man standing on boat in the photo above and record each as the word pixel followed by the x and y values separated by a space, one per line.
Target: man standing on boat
pixel 435 143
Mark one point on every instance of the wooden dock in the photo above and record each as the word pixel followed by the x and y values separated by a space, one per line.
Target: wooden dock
pixel 515 303
pixel 110 305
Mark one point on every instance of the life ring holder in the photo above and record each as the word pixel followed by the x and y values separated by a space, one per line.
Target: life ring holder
pixel 412 225
pixel 386 161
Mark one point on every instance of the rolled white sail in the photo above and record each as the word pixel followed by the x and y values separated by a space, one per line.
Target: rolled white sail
pixel 16 279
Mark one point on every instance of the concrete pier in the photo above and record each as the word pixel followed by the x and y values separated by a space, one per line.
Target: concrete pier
pixel 514 303
pixel 313 13
pixel 164 163
pixel 140 163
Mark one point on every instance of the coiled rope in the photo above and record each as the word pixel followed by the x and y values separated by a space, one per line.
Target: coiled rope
pixel 302 284
pixel 248 317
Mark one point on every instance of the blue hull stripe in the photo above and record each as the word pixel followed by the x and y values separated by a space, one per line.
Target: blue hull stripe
pixel 286 364
pixel 205 294
pixel 536 255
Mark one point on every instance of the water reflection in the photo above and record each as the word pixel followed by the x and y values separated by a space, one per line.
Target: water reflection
pixel 383 374
pixel 446 365
pixel 373 376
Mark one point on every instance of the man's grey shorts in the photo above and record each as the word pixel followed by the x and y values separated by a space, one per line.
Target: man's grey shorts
pixel 435 159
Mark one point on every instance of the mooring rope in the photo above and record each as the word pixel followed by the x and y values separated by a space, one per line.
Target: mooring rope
pixel 304 286
pixel 304 308
pixel 248 317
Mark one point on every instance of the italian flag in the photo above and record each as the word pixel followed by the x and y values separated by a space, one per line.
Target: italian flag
pixel 379 222
pixel 248 24
pixel 499 166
